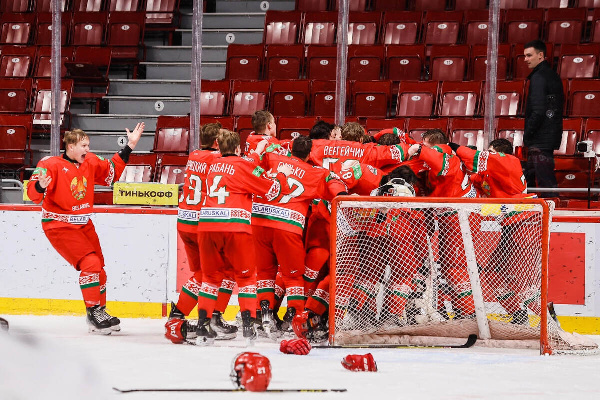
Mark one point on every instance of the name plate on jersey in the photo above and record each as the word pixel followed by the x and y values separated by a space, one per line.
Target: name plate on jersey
pixel 156 194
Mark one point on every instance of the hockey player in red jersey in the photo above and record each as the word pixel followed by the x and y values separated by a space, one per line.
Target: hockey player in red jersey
pixel 187 228
pixel 225 233
pixel 447 178
pixel 278 227
pixel 65 187
pixel 265 128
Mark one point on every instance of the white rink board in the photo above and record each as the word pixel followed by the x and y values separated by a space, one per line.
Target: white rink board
pixel 140 250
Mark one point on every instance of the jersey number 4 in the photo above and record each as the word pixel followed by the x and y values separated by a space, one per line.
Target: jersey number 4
pixel 220 193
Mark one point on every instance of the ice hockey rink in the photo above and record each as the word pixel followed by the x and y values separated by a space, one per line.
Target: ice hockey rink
pixel 53 357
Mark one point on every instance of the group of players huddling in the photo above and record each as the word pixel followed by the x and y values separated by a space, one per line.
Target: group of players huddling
pixel 261 220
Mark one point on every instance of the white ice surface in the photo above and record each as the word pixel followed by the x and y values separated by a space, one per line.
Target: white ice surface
pixel 66 360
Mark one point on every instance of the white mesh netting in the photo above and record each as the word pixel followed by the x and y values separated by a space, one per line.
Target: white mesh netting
pixel 417 272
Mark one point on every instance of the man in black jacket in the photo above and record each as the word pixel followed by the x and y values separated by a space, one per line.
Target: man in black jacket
pixel 543 118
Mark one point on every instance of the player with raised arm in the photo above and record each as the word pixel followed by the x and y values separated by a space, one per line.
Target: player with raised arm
pixel 177 329
pixel 265 128
pixel 225 232
pixel 65 186
pixel 278 227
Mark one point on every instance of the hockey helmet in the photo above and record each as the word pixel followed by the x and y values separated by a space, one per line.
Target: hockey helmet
pixel 251 371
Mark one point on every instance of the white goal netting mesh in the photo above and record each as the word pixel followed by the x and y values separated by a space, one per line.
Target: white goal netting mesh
pixel 417 272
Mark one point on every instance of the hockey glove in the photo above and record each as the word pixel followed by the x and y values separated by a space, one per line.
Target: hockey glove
pixel 359 362
pixel 300 347
pixel 176 330
pixel 453 146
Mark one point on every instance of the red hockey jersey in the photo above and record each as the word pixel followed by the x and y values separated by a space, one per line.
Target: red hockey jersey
pixel 325 152
pixel 306 183
pixel 253 140
pixel 69 199
pixel 231 182
pixel 499 174
pixel 194 189
pixel 361 178
pixel 446 175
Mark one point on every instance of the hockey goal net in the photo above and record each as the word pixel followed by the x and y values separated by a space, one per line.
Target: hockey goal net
pixel 433 271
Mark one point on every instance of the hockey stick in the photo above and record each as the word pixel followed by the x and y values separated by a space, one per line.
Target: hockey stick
pixel 469 343
pixel 553 313
pixel 230 390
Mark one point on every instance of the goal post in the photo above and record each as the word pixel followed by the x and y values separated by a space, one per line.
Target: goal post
pixel 431 271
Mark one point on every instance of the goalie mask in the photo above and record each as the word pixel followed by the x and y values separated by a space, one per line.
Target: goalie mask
pixel 395 187
pixel 251 371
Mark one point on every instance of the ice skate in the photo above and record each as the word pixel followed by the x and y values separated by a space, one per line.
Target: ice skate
pixel 98 320
pixel 205 334
pixel 115 323
pixel 248 328
pixel 520 318
pixel 268 321
pixel 224 330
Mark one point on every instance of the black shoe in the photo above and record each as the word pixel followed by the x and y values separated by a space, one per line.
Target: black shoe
pixel 115 323
pixel 98 320
pixel 520 318
pixel 175 313
pixel 224 330
pixel 205 334
pixel 248 328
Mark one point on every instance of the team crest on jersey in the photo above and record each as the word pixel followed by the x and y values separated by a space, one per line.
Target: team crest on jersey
pixel 78 187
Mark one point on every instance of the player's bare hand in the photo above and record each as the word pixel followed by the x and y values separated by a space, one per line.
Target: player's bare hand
pixel 134 137
pixel 412 150
pixel 284 169
pixel 44 180
pixel 349 164
pixel 261 146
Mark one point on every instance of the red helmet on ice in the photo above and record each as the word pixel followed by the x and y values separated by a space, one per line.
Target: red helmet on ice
pixel 251 371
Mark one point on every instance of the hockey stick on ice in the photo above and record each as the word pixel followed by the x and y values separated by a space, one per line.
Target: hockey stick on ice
pixel 230 390
pixel 381 293
pixel 471 340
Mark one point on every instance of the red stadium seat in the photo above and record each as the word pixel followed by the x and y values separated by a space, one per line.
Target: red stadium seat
pixel 43 66
pixel 578 60
pixel 140 168
pixel 416 127
pixel 416 98
pixel 16 28
pixel 365 62
pixel 282 27
pixel 448 63
pixel 170 168
pixel 292 127
pixel 226 122
pixel 478 63
pixel 42 104
pixel 467 132
pixel 442 27
pixel 591 132
pixel 89 70
pixel 514 4
pixel 519 68
pixel 172 134
pixel 363 27
pixel 214 97
pixel 125 35
pixel 161 13
pixel 15 139
pixel 88 28
pixel 572 128
pixel 321 62
pixel 464 5
pixel 244 61
pixel 320 28
pixel 565 25
pixel 17 61
pixel 550 3
pixel 43 34
pixel 124 5
pixel 375 125
pixel 353 5
pixel 248 96
pixel 87 5
pixel 289 98
pixel 584 98
pixel 404 62
pixel 388 5
pixel 284 61
pixel 243 126
pixel 429 5
pixel 371 98
pixel 459 98
pixel 322 97
pixel 509 98
pixel 476 26
pixel 312 5
pixel 401 27
pixel 511 129
pixel 14 6
pixel 522 26
pixel 15 95
pixel 571 168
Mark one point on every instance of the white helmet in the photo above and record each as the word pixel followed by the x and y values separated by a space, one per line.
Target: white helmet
pixel 395 187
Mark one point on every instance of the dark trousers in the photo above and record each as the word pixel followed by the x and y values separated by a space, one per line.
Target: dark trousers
pixel 539 170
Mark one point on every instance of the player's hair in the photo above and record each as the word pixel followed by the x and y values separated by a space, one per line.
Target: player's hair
pixel 353 131
pixel 228 141
pixel 502 146
pixel 435 136
pixel 209 133
pixel 74 136
pixel 403 172
pixel 301 147
pixel 321 130
pixel 369 139
pixel 388 139
pixel 260 119
pixel 538 45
